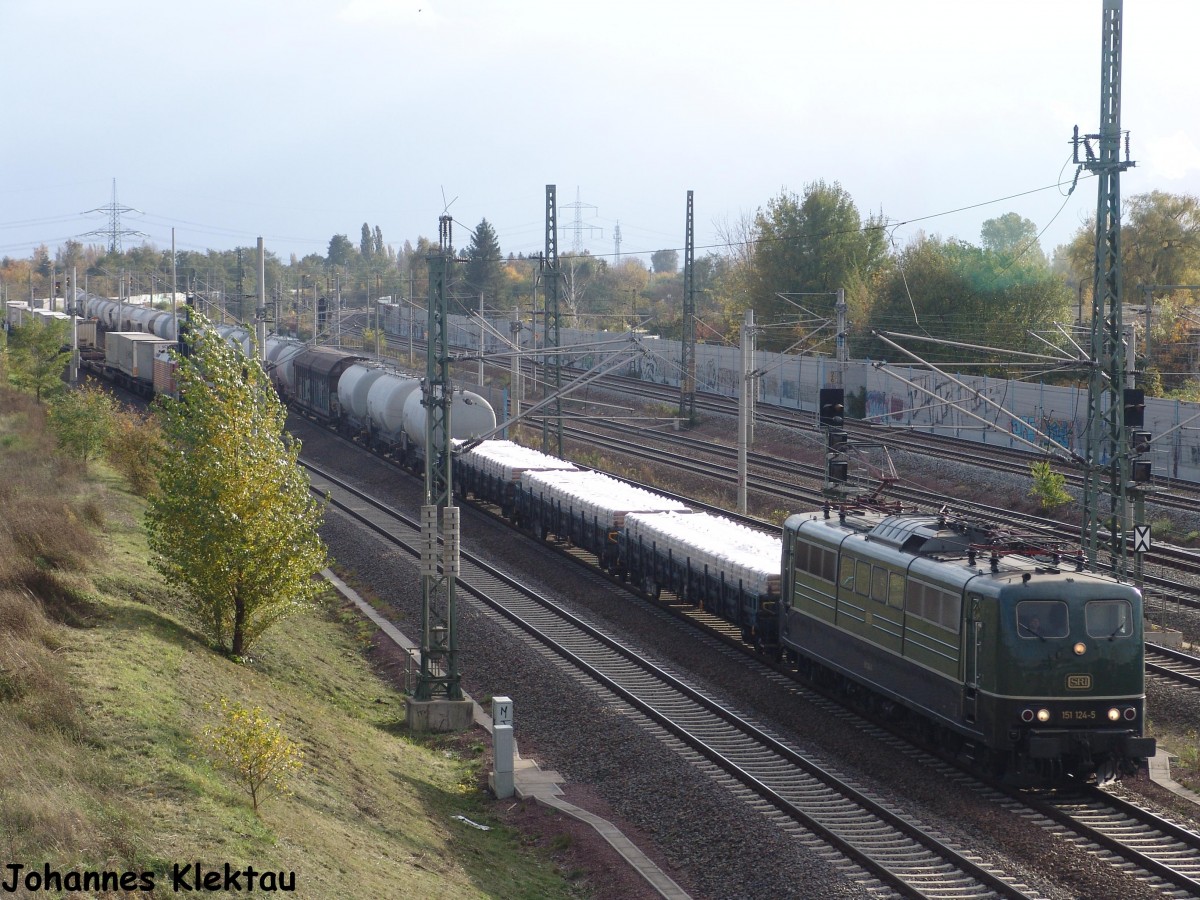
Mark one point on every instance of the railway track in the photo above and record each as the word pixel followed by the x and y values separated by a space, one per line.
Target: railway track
pixel 802 793
pixel 1121 833
pixel 782 479
pixel 1173 665
pixel 1171 493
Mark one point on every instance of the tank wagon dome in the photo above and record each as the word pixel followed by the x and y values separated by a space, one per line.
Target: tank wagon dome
pixel 470 416
pixel 355 385
pixel 386 400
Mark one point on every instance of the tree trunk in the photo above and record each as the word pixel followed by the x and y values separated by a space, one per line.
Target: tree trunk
pixel 239 626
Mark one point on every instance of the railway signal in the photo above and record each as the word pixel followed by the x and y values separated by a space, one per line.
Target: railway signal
pixel 833 405
pixel 1139 469
pixel 1135 407
pixel 830 414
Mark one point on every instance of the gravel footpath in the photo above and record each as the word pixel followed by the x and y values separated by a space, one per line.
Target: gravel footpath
pixel 621 770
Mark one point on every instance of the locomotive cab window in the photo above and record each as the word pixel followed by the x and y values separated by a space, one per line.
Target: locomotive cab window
pixel 816 561
pixel 1109 618
pixel 1042 619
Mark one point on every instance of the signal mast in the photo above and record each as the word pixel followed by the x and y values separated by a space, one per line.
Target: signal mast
pixel 1115 408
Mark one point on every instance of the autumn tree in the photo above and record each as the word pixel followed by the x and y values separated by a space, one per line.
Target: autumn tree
pixel 817 243
pixel 233 522
pixel 341 251
pixel 38 355
pixel 953 290
pixel 254 750
pixel 1160 250
pixel 664 261
pixel 1014 239
pixel 132 446
pixel 83 421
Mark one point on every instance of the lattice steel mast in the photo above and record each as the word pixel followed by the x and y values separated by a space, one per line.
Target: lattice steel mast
pixel 439 676
pixel 114 232
pixel 1107 446
pixel 687 341
pixel 551 341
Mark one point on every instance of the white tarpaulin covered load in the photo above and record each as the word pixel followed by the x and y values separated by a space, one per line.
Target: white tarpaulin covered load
pixel 751 556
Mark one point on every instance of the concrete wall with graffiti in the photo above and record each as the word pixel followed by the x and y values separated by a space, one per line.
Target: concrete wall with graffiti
pixel 1014 414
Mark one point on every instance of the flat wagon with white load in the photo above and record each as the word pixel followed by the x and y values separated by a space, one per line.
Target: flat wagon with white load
pixel 491 471
pixel 725 567
pixel 584 507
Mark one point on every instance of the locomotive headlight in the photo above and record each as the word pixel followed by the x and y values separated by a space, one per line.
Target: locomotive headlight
pixel 1114 715
pixel 1043 715
pixel 1080 648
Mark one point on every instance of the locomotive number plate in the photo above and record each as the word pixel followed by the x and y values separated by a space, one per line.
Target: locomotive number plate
pixel 1079 682
pixel 1078 715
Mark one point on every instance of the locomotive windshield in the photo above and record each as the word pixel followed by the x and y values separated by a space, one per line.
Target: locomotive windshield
pixel 1109 618
pixel 1042 619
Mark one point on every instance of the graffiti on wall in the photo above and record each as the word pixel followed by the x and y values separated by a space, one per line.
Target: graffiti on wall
pixel 1061 431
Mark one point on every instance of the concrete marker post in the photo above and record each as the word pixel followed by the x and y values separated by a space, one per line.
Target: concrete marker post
pixel 503 748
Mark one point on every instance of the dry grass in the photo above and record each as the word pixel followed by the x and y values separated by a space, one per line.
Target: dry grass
pixel 103 696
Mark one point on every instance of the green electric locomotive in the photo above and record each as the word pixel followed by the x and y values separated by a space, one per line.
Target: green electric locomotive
pixel 1034 667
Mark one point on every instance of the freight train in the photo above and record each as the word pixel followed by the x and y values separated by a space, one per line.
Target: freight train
pixel 1029 665
pixel 363 399
pixel 1033 668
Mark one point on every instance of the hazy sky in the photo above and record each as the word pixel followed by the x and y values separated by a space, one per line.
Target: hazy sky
pixel 300 119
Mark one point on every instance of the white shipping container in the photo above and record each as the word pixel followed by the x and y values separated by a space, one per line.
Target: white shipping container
pixel 133 352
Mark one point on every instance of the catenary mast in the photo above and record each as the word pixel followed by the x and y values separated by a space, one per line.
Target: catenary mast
pixel 1107 463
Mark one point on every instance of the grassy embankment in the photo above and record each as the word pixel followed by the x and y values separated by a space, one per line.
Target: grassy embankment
pixel 105 689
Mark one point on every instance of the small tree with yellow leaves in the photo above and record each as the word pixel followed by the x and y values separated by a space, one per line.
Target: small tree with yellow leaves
pixel 233 521
pixel 254 750
pixel 1049 487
